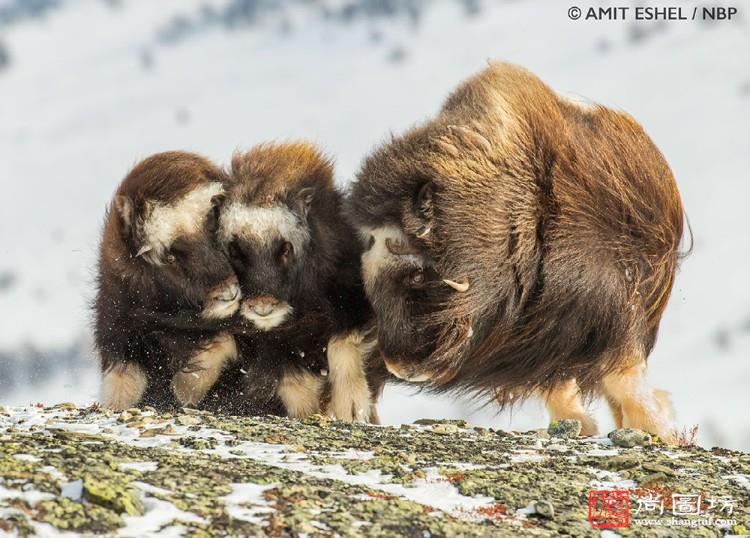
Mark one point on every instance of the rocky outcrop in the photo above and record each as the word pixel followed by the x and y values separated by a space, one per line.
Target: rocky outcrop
pixel 139 472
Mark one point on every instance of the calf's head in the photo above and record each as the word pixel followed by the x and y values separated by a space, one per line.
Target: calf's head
pixel 167 212
pixel 266 230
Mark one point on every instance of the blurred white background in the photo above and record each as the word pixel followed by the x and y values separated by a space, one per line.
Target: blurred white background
pixel 88 87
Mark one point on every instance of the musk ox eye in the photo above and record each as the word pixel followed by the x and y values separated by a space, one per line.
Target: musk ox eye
pixel 286 251
pixel 417 278
pixel 170 258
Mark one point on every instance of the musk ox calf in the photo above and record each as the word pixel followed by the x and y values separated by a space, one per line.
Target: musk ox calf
pixel 164 285
pixel 522 244
pixel 303 307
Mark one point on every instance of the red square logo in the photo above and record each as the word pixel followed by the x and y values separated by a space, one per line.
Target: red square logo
pixel 609 508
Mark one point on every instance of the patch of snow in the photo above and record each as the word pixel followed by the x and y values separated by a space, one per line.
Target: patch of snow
pixel 142 466
pixel 602 452
pixel 72 490
pixel 32 496
pixel 45 530
pixel 158 514
pixel 246 502
pixel 526 511
pixel 353 454
pixel 526 456
pixel 149 488
pixel 673 455
pixel 462 466
pixel 742 479
pixel 604 441
pixel 435 491
pixel 26 457
pixel 53 472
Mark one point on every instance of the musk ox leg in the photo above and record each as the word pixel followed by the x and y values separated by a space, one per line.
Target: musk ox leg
pixel 616 410
pixel 350 395
pixel 374 417
pixel 300 391
pixel 192 383
pixel 123 385
pixel 564 401
pixel 640 406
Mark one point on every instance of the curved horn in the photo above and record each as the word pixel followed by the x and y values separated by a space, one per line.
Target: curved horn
pixel 143 250
pixel 424 231
pixel 474 138
pixel 458 286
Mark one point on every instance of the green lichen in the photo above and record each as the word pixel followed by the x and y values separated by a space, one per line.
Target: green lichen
pixel 70 515
pixel 192 475
pixel 111 494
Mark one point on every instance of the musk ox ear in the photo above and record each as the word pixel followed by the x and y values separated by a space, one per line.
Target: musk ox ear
pixel 302 201
pixel 423 200
pixel 125 210
pixel 123 205
pixel 212 220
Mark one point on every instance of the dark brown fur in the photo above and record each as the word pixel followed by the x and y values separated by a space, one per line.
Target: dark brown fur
pixel 147 314
pixel 565 221
pixel 322 282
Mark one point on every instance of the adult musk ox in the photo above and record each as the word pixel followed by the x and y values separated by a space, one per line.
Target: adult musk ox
pixel 298 264
pixel 522 244
pixel 164 285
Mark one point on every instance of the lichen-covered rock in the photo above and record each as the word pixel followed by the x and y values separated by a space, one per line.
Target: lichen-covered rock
pixel 628 437
pixel 544 509
pixel 88 471
pixel 111 494
pixel 565 428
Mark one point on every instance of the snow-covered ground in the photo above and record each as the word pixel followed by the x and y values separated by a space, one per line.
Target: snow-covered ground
pixel 94 86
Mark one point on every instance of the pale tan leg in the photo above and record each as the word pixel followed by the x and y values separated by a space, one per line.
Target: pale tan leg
pixel 374 417
pixel 641 406
pixel 192 383
pixel 564 401
pixel 616 411
pixel 350 395
pixel 123 386
pixel 300 391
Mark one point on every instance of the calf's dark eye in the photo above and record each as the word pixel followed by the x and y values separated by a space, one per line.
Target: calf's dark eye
pixel 417 278
pixel 285 252
pixel 170 258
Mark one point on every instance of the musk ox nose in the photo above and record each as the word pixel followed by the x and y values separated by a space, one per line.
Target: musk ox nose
pixel 266 312
pixel 228 292
pixel 223 300
pixel 263 306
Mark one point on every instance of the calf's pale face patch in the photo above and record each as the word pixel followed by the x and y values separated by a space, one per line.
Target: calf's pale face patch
pixel 262 223
pixel 166 222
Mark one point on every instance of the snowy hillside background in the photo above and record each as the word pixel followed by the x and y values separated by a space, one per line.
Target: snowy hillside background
pixel 87 87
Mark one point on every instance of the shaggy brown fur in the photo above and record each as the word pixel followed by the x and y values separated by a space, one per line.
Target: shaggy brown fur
pixel 297 260
pixel 557 227
pixel 164 285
